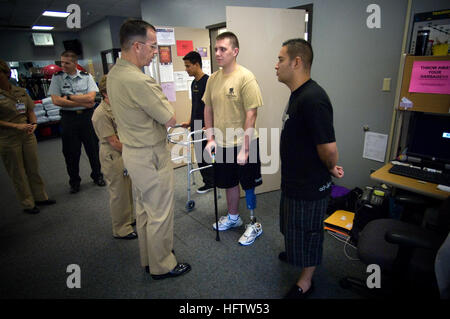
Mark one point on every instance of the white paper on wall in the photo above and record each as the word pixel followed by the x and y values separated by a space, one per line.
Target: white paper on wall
pixel 165 36
pixel 375 146
pixel 166 72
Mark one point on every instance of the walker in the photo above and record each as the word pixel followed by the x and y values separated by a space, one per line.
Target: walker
pixel 186 141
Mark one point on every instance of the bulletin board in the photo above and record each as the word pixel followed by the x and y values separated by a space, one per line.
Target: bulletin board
pixel 423 102
pixel 185 40
pixel 199 39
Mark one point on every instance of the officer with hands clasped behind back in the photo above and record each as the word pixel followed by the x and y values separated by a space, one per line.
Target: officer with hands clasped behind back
pixel 74 91
pixel 116 176
pixel 18 145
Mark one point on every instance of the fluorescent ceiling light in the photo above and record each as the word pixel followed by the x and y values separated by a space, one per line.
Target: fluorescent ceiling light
pixel 57 14
pixel 42 27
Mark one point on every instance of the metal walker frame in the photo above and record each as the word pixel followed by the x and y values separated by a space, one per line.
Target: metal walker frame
pixel 190 204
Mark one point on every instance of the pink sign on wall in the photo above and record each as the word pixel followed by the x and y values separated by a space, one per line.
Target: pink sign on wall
pixel 430 77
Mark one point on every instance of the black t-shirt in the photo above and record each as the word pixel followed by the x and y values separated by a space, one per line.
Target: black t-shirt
pixel 307 123
pixel 198 106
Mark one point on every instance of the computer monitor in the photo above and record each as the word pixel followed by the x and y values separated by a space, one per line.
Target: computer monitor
pixel 429 137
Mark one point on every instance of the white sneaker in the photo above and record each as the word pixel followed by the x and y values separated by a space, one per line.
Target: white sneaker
pixel 252 232
pixel 225 222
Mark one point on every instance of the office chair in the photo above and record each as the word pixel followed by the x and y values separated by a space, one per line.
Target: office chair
pixel 405 253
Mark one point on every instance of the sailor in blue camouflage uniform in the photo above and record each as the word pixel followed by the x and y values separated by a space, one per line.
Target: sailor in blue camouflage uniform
pixel 74 91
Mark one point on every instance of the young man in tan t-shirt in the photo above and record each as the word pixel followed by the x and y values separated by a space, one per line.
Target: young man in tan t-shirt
pixel 231 99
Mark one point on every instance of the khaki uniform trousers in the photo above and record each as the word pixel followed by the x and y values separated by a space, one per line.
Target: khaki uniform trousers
pixel 151 171
pixel 120 192
pixel 19 155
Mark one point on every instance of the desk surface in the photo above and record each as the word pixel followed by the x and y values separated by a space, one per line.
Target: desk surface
pixel 411 184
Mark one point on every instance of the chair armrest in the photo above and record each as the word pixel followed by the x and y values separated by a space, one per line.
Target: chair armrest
pixel 413 238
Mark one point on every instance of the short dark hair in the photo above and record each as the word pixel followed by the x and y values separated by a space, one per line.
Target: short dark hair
pixel 193 57
pixel 102 86
pixel 4 67
pixel 132 29
pixel 229 35
pixel 302 49
pixel 70 54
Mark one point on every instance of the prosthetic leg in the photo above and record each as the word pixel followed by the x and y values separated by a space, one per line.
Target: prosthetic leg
pixel 250 198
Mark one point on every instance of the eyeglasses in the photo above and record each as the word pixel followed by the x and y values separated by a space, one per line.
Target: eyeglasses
pixel 152 46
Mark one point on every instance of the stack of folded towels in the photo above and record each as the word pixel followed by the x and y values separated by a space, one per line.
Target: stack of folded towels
pixel 41 115
pixel 51 109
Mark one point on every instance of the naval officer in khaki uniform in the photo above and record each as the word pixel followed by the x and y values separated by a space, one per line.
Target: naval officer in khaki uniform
pixel 142 114
pixel 117 179
pixel 18 146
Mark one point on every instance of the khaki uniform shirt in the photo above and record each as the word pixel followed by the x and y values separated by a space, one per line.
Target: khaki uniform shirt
pixel 104 124
pixel 139 106
pixel 14 106
pixel 231 96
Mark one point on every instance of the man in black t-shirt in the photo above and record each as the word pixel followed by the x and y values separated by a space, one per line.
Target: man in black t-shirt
pixel 193 64
pixel 308 160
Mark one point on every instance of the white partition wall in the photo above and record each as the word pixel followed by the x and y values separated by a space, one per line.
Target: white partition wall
pixel 261 32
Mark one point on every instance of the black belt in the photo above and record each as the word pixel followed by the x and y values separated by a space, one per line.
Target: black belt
pixel 76 111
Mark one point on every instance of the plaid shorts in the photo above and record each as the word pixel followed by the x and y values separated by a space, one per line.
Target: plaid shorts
pixel 301 223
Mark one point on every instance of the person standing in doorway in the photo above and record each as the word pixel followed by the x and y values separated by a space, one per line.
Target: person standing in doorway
pixel 193 65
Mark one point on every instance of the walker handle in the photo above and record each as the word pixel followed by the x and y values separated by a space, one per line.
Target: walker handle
pixel 173 127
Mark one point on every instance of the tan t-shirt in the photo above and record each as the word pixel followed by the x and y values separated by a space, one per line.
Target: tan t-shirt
pixel 231 96
pixel 138 104
pixel 104 124
pixel 14 105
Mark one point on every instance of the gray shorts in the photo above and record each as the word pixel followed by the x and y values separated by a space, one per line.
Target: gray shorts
pixel 301 223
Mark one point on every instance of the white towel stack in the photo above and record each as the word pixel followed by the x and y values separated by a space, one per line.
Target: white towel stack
pixel 54 118
pixel 38 107
pixel 41 115
pixel 51 109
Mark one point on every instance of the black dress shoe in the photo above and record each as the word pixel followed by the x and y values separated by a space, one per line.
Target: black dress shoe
pixel 45 202
pixel 179 270
pixel 131 235
pixel 100 181
pixel 147 268
pixel 297 293
pixel 74 189
pixel 33 210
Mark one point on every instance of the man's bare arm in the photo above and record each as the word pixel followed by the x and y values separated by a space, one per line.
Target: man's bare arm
pixel 329 155
pixel 209 122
